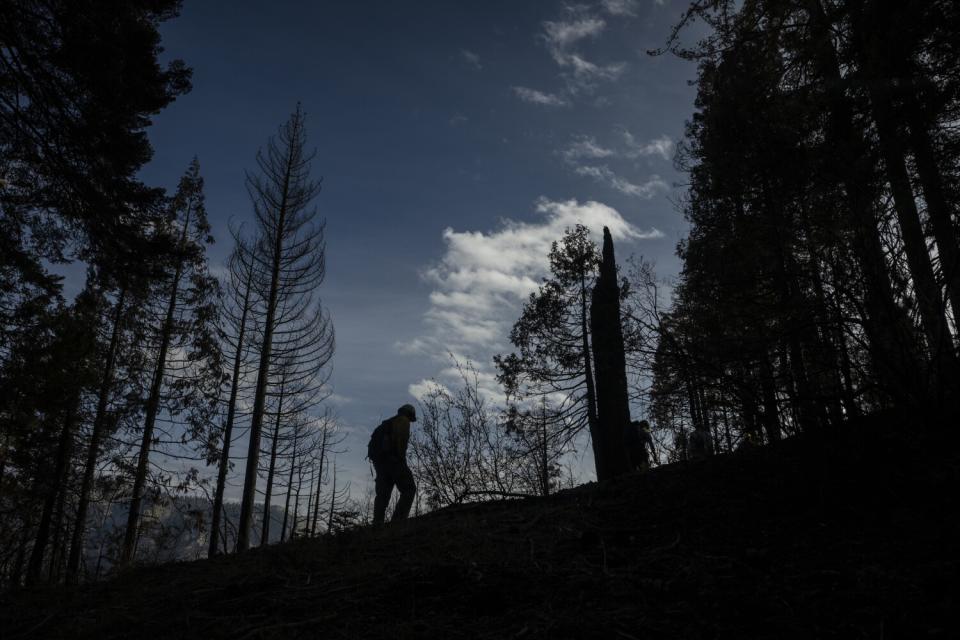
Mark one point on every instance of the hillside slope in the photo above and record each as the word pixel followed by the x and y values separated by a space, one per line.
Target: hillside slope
pixel 849 536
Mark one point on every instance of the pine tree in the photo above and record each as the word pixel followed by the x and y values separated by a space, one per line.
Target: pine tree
pixel 187 323
pixel 290 258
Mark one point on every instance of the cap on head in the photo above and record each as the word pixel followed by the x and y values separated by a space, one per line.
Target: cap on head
pixel 644 425
pixel 408 411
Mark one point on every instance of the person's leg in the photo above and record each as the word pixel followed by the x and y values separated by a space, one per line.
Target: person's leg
pixel 384 487
pixel 408 490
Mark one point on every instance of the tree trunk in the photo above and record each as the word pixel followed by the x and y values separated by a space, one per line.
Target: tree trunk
pixel 296 505
pixel 313 479
pixel 55 487
pixel 925 286
pixel 316 506
pixel 939 210
pixel 613 403
pixel 593 423
pixel 333 502
pixel 96 437
pixel 228 427
pixel 544 451
pixel 56 547
pixel 771 414
pixel 888 329
pixel 263 373
pixel 153 407
pixel 286 506
pixel 265 538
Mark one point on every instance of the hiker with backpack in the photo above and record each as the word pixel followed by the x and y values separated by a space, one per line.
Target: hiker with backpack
pixel 387 450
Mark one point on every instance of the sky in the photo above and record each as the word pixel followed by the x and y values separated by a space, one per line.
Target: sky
pixel 456 141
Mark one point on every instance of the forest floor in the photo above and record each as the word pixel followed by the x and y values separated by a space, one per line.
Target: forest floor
pixel 852 535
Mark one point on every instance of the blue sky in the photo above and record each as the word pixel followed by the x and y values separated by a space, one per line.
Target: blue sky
pixel 455 141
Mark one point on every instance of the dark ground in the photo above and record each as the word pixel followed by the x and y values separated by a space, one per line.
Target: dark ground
pixel 848 536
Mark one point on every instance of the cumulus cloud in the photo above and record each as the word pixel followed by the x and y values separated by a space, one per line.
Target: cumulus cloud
pixel 539 97
pixel 483 279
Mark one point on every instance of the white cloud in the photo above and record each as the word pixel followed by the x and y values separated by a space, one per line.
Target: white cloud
pixel 662 146
pixel 605 175
pixel 338 399
pixel 482 281
pixel 562 38
pixel 584 150
pixel 484 278
pixel 539 97
pixel 563 35
pixel 424 388
pixel 622 7
pixel 472 58
pixel 586 147
pixel 586 74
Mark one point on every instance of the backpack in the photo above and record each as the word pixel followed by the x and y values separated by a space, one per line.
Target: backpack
pixel 381 444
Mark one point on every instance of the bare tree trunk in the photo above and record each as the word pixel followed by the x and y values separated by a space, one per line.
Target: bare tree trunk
pixel 263 373
pixel 296 505
pixel 265 539
pixel 333 502
pixel 286 506
pixel 228 427
pixel 313 478
pixel 316 506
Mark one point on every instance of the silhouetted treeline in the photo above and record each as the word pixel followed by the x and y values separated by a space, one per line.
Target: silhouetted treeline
pixel 119 402
pixel 821 276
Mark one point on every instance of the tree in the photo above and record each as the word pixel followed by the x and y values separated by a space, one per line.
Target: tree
pixel 613 402
pixel 238 302
pixel 810 290
pixel 460 451
pixel 72 134
pixel 69 371
pixel 538 446
pixel 552 337
pixel 188 324
pixel 290 266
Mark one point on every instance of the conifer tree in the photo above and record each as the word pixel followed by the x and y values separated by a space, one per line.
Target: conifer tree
pixel 290 267
pixel 187 324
